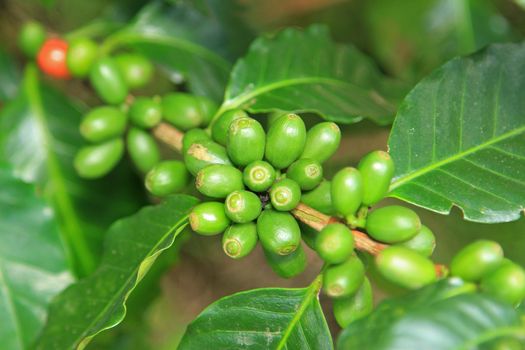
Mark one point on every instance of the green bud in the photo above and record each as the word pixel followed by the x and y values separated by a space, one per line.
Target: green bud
pixel 287 266
pixel 285 195
pixel 243 206
pixel 221 126
pixel 209 218
pixel 246 140
pixel 107 81
pixel 145 112
pixel 182 110
pixel 218 180
pixel 103 123
pixel 393 224
pixel 166 178
pixel 308 173
pixel 240 240
pixel 259 176
pixel 278 232
pixel 193 136
pixel 320 198
pixel 31 38
pixel 322 141
pixel 143 149
pixel 204 153
pixel 80 57
pixel 136 69
pixel 423 242
pixel 97 160
pixel 285 140
pixel 335 243
pixel 343 280
pixel 361 304
pixel 506 282
pixel 347 191
pixel 377 169
pixel 405 267
pixel 476 260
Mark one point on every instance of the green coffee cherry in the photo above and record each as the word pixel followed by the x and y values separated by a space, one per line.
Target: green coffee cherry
pixel 108 81
pixel 194 136
pixel 285 140
pixel 208 108
pixel 81 55
pixel 506 282
pixel 377 169
pixel 218 180
pixel 145 112
pixel 322 141
pixel 335 243
pixel 423 242
pixel 97 160
pixel 308 173
pixel 209 219
pixel 166 178
pixel 259 176
pixel 136 69
pixel 285 195
pixel 221 126
pixel 103 123
pixel 239 240
pixel 31 38
pixel 476 260
pixel 287 266
pixel 320 198
pixel 343 280
pixel 183 110
pixel 361 304
pixel 347 191
pixel 243 206
pixel 273 116
pixel 309 235
pixel 393 224
pixel 246 140
pixel 204 153
pixel 143 149
pixel 278 232
pixel 405 267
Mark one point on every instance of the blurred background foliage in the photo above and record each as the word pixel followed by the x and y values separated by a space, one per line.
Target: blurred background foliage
pixel 407 39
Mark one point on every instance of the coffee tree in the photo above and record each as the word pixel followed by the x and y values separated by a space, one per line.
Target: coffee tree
pixel 241 151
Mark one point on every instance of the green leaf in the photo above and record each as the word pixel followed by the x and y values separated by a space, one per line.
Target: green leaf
pixel 10 77
pixel 98 302
pixel 305 71
pixel 39 137
pixel 267 318
pixel 459 137
pixel 33 266
pixel 441 316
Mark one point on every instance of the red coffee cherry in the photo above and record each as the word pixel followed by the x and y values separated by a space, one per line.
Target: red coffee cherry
pixel 51 58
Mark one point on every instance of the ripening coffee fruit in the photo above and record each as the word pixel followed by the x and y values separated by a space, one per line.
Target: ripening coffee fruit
pixel 347 191
pixel 259 176
pixel 343 280
pixel 221 126
pixel 423 242
pixel 476 260
pixel 357 306
pixel 183 110
pixel 285 140
pixel 108 82
pixel 393 224
pixel 167 177
pixel 218 180
pixel 405 267
pixel 145 112
pixel 287 266
pixel 204 153
pixel 334 243
pixel 193 136
pixel 322 141
pixel 377 169
pixel 308 173
pixel 278 232
pixel 95 161
pixel 246 141
pixel 242 206
pixel 320 198
pixel 506 282
pixel 136 69
pixel 142 149
pixel 209 218
pixel 51 58
pixel 31 38
pixel 81 55
pixel 285 195
pixel 239 240
pixel 103 123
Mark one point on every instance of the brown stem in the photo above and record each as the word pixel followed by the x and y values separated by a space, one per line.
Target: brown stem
pixel 169 135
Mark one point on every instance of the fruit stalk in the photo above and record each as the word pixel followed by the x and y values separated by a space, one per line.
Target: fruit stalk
pixel 169 135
